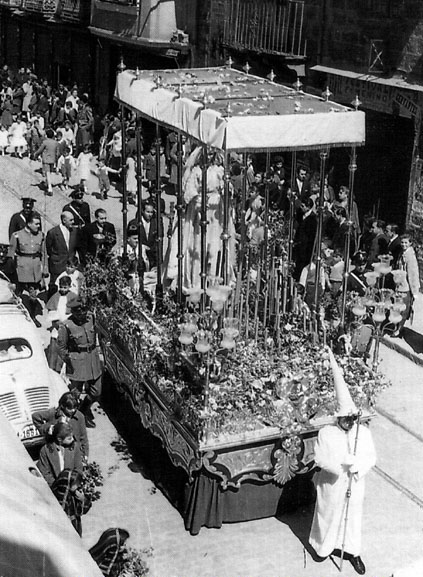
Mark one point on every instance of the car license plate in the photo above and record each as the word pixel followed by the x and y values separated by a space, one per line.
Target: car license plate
pixel 29 431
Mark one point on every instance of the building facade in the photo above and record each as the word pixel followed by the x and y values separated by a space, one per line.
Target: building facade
pixel 373 49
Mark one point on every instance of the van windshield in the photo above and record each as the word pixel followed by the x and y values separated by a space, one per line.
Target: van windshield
pixel 11 349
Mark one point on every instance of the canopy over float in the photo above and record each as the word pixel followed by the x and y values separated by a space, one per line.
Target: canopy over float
pixel 231 110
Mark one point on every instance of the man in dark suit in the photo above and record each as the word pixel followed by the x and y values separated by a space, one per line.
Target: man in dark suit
pixel 394 243
pixel 62 242
pixel 304 237
pixel 18 220
pixel 148 233
pixel 99 237
pixel 62 452
pixel 379 242
pixel 300 185
pixel 79 208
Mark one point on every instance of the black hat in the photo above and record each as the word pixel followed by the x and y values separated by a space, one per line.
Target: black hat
pixel 132 230
pixel 359 258
pixel 27 201
pixel 77 193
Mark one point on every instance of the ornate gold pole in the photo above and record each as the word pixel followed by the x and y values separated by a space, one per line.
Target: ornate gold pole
pixel 287 279
pixel 141 263
pixel 352 169
pixel 203 225
pixel 123 176
pixel 323 157
pixel 225 233
pixel 179 209
pixel 159 285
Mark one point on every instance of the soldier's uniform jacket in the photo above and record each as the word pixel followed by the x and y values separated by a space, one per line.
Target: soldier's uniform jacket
pixel 357 282
pixel 81 213
pixel 27 249
pixel 77 346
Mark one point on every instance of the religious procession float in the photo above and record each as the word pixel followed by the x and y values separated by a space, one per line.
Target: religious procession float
pixel 223 361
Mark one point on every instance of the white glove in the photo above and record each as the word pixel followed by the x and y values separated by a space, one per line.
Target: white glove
pixel 349 460
pixel 354 468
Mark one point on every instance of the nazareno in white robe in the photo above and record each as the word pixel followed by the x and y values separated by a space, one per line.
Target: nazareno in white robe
pixel 332 447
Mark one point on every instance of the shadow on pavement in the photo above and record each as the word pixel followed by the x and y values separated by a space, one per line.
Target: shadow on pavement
pixel 142 451
pixel 299 522
pixel 413 339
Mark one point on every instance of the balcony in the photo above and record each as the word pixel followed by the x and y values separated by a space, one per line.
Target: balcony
pixel 57 11
pixel 266 26
pixel 147 23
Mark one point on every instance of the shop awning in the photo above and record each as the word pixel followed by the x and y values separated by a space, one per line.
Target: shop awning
pixel 228 109
pixel 388 95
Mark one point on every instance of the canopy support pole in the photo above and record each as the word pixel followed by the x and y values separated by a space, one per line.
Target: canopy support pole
pixel 159 285
pixel 141 263
pixel 225 233
pixel 292 204
pixel 318 244
pixel 203 225
pixel 123 177
pixel 352 167
pixel 179 209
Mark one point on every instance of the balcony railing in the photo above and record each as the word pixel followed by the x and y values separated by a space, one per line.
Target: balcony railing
pixel 268 26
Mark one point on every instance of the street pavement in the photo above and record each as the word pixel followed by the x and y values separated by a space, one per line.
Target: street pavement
pixel 393 508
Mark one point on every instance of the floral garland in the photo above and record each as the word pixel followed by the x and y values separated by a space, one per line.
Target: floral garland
pixel 251 387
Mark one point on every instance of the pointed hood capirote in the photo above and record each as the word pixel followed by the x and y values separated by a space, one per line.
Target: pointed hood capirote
pixel 346 405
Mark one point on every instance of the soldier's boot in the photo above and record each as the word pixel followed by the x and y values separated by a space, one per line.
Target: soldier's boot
pixel 85 408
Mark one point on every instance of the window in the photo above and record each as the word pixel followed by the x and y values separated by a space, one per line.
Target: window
pixel 11 349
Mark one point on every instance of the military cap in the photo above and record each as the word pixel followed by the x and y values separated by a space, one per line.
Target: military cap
pixel 27 201
pixel 78 193
pixel 76 304
pixel 359 258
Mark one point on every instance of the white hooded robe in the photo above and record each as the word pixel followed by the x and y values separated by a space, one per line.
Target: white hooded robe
pixel 332 447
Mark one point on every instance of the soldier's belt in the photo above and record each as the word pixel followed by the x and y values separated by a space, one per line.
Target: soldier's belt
pixel 83 349
pixel 29 254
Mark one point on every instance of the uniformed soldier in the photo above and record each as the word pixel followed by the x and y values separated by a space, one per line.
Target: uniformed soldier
pixel 26 247
pixel 7 265
pixel 357 281
pixel 77 346
pixel 79 208
pixel 19 219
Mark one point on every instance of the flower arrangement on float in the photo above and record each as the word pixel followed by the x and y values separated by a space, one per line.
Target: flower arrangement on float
pixel 218 383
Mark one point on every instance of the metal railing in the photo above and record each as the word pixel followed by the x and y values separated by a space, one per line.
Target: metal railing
pixel 265 26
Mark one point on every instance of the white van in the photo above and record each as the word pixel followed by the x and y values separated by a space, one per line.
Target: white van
pixel 27 384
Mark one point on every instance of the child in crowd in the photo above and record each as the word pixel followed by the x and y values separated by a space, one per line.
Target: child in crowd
pixel 74 274
pixel 65 166
pixel 131 179
pixel 69 135
pixel 60 300
pixel 34 136
pixel 102 173
pixel 4 139
pixel 17 136
pixel 84 166
pixel 61 142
